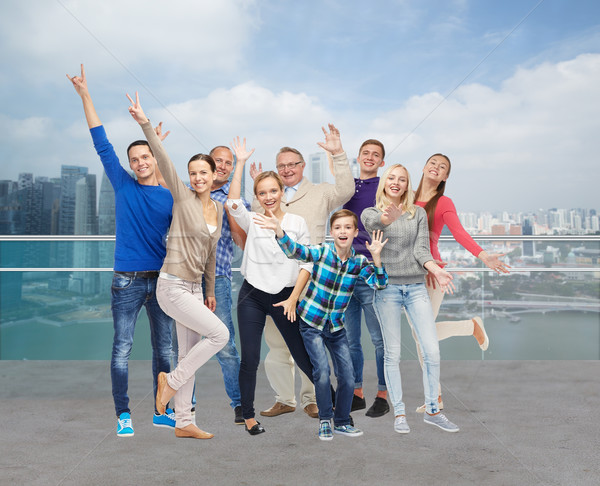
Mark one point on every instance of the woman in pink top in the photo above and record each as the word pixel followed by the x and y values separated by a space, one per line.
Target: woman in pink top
pixel 441 212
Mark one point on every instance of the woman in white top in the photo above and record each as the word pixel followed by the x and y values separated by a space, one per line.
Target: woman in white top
pixel 269 286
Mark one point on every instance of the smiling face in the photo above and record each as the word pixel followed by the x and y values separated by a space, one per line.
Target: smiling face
pixel 269 193
pixel 437 169
pixel 201 176
pixel 142 163
pixel 224 161
pixel 396 184
pixel 290 168
pixel 343 231
pixel 370 158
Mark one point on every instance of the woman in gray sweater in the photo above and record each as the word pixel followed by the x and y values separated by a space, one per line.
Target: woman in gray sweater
pixel 407 259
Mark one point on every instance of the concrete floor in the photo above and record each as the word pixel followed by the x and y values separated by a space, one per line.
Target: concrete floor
pixel 522 423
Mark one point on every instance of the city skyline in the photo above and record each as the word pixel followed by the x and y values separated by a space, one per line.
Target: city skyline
pixel 71 203
pixel 508 90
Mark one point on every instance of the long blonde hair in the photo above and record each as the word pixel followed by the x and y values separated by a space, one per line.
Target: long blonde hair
pixel 408 198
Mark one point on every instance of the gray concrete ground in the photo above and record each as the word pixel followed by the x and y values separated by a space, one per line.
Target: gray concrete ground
pixel 522 423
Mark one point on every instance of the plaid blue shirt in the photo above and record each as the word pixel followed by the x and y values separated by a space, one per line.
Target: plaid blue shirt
pixel 225 244
pixel 332 281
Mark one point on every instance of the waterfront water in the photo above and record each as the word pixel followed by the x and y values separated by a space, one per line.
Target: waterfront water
pixel 555 335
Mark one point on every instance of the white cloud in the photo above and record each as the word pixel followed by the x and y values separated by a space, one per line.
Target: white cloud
pixel 186 37
pixel 526 144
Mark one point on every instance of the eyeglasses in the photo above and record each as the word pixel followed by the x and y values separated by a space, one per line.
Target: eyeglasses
pixel 290 166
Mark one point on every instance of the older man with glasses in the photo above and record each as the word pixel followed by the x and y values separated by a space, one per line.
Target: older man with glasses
pixel 314 202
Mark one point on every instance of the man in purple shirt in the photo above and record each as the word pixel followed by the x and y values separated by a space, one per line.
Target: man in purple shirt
pixel 370 159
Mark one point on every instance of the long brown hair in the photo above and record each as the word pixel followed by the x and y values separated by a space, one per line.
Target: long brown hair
pixel 432 203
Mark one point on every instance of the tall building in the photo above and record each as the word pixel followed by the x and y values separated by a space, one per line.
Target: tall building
pixel 85 253
pixel 318 167
pixel 69 175
pixel 106 207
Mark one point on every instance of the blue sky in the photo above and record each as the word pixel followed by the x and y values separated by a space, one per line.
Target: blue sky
pixel 516 110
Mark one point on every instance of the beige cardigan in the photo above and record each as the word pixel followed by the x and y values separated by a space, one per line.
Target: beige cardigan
pixel 191 248
pixel 314 202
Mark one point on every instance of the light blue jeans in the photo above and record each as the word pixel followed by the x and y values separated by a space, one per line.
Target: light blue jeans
pixel 388 304
pixel 362 302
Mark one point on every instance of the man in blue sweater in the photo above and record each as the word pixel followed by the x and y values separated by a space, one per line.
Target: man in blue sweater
pixel 143 217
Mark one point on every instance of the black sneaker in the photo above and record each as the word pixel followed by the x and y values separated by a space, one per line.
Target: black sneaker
pixel 239 419
pixel 358 403
pixel 379 408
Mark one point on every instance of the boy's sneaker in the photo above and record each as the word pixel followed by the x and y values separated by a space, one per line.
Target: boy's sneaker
pixel 325 430
pixel 167 419
pixel 348 430
pixel 400 425
pixel 441 421
pixel 124 427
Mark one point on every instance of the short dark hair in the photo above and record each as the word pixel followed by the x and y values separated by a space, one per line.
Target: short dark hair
pixel 206 158
pixel 136 143
pixel 342 213
pixel 372 141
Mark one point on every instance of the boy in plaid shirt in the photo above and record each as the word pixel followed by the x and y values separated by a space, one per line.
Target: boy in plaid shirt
pixel 336 268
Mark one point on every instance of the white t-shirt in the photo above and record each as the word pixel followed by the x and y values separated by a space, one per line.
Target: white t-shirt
pixel 264 264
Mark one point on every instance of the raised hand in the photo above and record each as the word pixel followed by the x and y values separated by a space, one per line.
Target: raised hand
pixel 254 171
pixel 333 143
pixel 240 152
pixel 136 109
pixel 391 214
pixel 376 244
pixel 79 82
pixel 268 221
pixel 159 133
pixel 494 263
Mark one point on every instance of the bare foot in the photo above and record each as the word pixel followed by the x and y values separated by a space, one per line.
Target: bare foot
pixel 250 423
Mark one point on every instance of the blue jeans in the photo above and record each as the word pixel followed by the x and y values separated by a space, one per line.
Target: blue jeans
pixel 228 357
pixel 362 300
pixel 388 305
pixel 315 342
pixel 128 295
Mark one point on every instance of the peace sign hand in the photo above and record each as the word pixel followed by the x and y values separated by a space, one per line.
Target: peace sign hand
pixel 136 109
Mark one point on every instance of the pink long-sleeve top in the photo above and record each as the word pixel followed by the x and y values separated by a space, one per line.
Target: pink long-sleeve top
pixel 445 214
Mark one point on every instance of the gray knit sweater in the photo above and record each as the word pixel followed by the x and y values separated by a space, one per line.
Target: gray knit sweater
pixel 407 250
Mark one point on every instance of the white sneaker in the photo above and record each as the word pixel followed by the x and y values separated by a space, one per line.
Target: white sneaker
pixel 440 420
pixel 400 425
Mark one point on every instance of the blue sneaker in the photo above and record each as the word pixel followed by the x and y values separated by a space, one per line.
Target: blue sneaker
pixel 167 419
pixel 348 430
pixel 124 427
pixel 325 430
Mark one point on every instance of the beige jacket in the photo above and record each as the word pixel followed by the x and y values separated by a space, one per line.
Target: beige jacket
pixel 191 248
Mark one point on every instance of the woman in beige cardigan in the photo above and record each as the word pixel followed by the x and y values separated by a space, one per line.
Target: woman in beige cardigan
pixel 191 248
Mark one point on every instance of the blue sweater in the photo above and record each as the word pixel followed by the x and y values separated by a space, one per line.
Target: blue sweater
pixel 143 213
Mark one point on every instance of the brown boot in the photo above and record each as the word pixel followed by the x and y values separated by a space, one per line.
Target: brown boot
pixel 277 409
pixel 192 432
